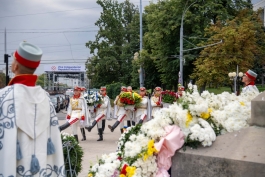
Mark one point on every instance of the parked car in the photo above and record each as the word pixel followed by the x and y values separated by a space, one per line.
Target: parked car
pixel 56 103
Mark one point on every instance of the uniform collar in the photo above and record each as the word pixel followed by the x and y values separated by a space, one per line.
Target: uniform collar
pixel 76 96
pixel 25 79
pixel 251 83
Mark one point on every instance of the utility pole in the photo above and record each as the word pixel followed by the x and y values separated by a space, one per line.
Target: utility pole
pixel 141 46
pixel 6 56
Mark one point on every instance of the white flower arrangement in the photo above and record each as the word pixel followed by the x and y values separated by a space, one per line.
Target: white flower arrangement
pixel 200 118
pixel 93 98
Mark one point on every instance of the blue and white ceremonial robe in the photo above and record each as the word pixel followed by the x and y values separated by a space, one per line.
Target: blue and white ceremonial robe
pixel 28 123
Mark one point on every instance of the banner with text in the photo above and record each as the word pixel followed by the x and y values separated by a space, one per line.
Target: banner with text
pixel 64 68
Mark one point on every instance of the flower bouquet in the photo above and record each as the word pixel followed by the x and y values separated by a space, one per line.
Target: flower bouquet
pixel 200 119
pixel 93 98
pixel 130 100
pixel 169 97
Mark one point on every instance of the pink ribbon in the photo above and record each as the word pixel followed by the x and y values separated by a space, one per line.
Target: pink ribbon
pixel 172 141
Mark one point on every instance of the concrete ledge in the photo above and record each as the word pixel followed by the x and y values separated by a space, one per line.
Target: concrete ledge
pixel 258 111
pixel 237 154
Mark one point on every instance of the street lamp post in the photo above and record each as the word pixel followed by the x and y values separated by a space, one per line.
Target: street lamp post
pixel 236 76
pixel 181 44
pixel 141 78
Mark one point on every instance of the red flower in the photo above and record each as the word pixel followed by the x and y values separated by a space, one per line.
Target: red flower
pixel 123 170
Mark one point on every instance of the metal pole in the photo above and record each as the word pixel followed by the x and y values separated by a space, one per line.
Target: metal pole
pixel 181 52
pixel 181 44
pixel 6 61
pixel 141 45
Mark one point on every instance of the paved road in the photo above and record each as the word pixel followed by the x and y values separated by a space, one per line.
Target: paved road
pixel 93 149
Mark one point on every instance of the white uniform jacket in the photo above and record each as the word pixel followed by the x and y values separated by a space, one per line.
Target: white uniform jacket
pixel 78 108
pixel 105 107
pixel 250 88
pixel 154 106
pixel 142 109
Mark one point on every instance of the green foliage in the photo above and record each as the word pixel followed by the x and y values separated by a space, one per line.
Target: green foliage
pixel 240 47
pixel 161 39
pixel 40 80
pixel 114 89
pixel 115 44
pixel 190 143
pixel 76 154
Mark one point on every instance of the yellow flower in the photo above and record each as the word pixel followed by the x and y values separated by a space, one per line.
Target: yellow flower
pixel 90 175
pixel 189 119
pixel 122 175
pixel 206 115
pixel 130 171
pixel 150 150
pixel 242 103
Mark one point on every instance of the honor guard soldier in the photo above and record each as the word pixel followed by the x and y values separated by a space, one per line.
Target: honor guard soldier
pixel 156 101
pixel 249 80
pixel 120 112
pixel 30 142
pixel 130 113
pixel 141 113
pixel 83 124
pixel 77 112
pixel 103 112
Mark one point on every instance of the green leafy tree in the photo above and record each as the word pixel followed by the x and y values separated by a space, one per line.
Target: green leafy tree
pixel 243 42
pixel 115 44
pixel 162 36
pixel 40 80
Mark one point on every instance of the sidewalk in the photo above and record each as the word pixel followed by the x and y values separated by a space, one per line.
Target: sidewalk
pixel 93 149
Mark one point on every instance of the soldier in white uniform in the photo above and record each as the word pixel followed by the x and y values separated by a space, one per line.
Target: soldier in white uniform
pixel 103 112
pixel 130 113
pixel 77 111
pixel 141 113
pixel 156 101
pixel 84 124
pixel 30 142
pixel 121 113
pixel 249 80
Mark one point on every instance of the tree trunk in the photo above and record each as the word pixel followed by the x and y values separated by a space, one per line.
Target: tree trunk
pixel 203 87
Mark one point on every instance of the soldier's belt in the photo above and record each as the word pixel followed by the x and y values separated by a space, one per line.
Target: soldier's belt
pixel 77 109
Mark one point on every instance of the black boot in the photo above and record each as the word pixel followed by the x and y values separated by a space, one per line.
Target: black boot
pixel 90 127
pixel 128 123
pixel 64 126
pixel 133 123
pixel 76 138
pixel 114 126
pixel 103 125
pixel 140 121
pixel 100 134
pixel 121 130
pixel 83 134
